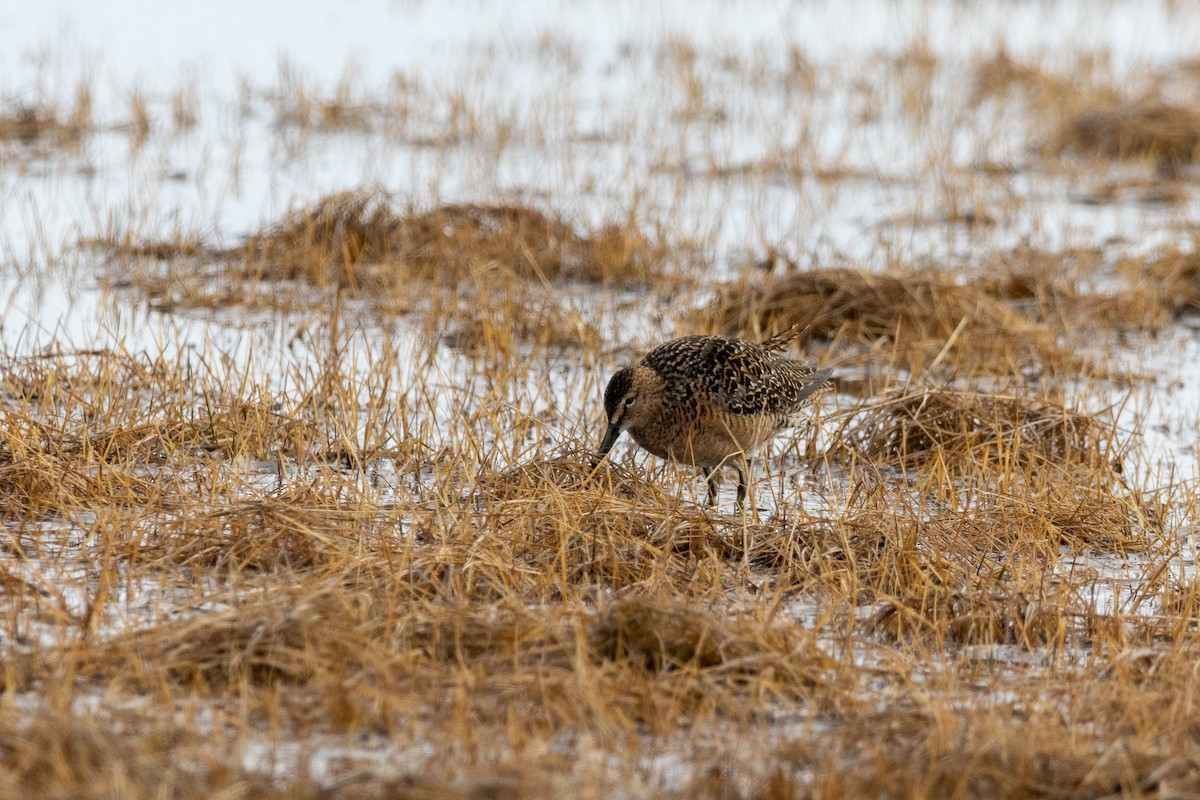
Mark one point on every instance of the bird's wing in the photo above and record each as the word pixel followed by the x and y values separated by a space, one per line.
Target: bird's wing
pixel 781 386
pixel 736 376
pixel 746 379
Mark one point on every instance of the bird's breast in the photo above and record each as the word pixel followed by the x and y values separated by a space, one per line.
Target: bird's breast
pixel 705 438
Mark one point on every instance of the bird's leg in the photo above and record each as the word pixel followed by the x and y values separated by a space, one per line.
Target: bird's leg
pixel 741 494
pixel 712 485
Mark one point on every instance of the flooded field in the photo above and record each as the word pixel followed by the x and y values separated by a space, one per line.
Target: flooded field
pixel 306 318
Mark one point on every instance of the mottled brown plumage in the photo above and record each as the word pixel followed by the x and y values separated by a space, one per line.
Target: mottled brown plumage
pixel 709 400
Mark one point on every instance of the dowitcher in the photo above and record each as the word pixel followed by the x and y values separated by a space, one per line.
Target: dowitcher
pixel 710 401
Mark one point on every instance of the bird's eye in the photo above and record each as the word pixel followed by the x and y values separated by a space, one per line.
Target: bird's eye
pixel 629 401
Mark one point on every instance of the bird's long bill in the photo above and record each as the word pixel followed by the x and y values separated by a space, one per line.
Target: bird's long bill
pixel 610 438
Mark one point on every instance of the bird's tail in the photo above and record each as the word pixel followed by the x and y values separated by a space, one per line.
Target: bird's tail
pixel 814 384
pixel 782 339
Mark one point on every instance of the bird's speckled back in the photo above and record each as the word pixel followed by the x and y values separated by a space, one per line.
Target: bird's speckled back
pixel 734 376
pixel 723 396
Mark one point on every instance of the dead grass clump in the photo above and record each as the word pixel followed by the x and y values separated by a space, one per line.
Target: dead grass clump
pixel 40 476
pixel 497 638
pixel 975 576
pixel 52 754
pixel 27 124
pixel 1170 277
pixel 566 529
pixel 1045 286
pixel 281 635
pixel 238 429
pixel 254 426
pixel 891 549
pixel 858 558
pixel 299 102
pixel 1001 74
pixel 647 658
pixel 570 472
pixel 33 484
pixel 967 430
pixel 505 318
pixel 1142 128
pixel 82 431
pixel 1037 521
pixel 127 246
pixel 1060 509
pixel 952 576
pixel 39 123
pixel 114 408
pixel 286 532
pixel 976 617
pixel 920 319
pixel 992 534
pixel 635 660
pixel 1181 600
pixel 359 239
pixel 325 243
pixel 978 746
pixel 62 379
pixel 1029 282
pixel 655 636
pixel 823 555
pixel 347 656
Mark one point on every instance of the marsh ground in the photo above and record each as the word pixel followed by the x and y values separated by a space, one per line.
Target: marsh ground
pixel 306 325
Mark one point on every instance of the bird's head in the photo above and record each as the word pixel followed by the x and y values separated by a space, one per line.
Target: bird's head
pixel 632 399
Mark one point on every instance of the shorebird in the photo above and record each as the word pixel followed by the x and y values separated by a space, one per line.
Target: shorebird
pixel 710 401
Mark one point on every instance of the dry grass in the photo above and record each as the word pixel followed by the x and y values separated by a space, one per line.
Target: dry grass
pixel 1171 278
pixel 1000 74
pixel 381 562
pixel 1145 128
pixel 489 278
pixel 913 427
pixel 89 756
pixel 28 124
pixel 458 589
pixel 360 239
pixel 1028 312
pixel 46 123
pixel 1086 111
pixel 915 320
pixel 1050 94
pixel 495 608
pixel 507 318
pixel 299 103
